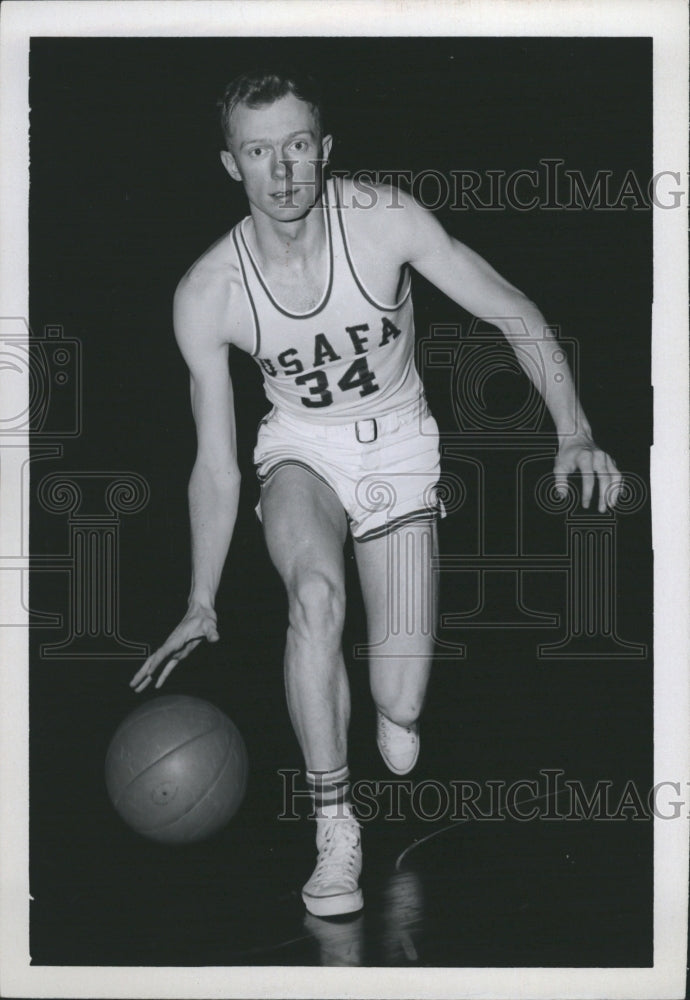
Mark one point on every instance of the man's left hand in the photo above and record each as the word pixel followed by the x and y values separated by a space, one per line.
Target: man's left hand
pixel 580 454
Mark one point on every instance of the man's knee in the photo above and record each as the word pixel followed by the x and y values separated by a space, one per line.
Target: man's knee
pixel 403 710
pixel 317 604
pixel 399 688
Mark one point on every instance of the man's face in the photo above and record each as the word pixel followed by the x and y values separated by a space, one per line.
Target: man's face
pixel 274 151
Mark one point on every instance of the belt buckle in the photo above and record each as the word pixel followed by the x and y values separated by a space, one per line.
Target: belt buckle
pixel 366 431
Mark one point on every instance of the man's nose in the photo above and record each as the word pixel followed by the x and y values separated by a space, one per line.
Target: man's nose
pixel 282 167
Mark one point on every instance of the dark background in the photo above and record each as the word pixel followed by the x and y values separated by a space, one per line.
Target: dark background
pixel 127 190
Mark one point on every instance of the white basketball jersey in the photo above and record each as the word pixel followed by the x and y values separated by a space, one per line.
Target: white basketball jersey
pixel 350 356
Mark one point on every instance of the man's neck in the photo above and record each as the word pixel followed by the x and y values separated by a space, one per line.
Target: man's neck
pixel 302 239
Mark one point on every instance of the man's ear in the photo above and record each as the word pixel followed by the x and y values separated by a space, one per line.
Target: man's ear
pixel 228 161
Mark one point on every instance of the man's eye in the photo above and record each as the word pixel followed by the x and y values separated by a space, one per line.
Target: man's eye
pixel 257 151
pixel 299 145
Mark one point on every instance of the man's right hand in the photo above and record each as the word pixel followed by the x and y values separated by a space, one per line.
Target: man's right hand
pixel 199 623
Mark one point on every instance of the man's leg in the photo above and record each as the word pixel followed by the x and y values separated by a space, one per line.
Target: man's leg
pixel 305 528
pixel 399 586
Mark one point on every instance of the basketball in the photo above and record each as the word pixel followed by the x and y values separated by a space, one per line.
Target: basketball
pixel 176 769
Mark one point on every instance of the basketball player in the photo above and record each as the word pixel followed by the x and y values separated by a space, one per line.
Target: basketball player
pixel 316 288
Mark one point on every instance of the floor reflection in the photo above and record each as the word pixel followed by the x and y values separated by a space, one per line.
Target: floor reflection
pixel 403 913
pixel 340 939
pixel 392 933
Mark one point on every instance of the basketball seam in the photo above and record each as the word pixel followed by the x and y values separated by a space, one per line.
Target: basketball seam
pixel 210 788
pixel 154 710
pixel 158 760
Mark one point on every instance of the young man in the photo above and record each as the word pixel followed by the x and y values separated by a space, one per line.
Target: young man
pixel 317 289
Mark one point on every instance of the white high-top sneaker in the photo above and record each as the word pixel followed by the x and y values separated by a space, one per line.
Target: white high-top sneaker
pixel 398 745
pixel 334 885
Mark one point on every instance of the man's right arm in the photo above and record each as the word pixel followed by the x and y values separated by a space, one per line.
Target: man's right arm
pixel 214 486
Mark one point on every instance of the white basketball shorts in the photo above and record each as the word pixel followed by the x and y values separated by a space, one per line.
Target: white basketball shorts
pixel 384 470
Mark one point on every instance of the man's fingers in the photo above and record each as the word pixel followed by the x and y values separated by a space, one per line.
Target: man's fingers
pixel 615 482
pixel 595 466
pixel 601 469
pixel 601 486
pixel 561 483
pixel 144 684
pixel 172 663
pixel 176 647
pixel 137 677
pixel 170 666
pixel 145 675
pixel 561 471
pixel 153 661
pixel 609 480
pixel 609 490
pixel 147 668
pixel 172 645
pixel 587 488
pixel 586 467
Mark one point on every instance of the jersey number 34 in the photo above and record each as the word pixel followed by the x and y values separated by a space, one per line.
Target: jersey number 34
pixel 357 376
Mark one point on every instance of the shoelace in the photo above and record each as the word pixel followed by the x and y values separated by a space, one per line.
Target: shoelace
pixel 339 850
pixel 386 732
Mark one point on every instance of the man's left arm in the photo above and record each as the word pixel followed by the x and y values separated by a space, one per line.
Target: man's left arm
pixel 469 280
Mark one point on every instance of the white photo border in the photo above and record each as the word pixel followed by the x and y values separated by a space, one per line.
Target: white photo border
pixel 666 22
